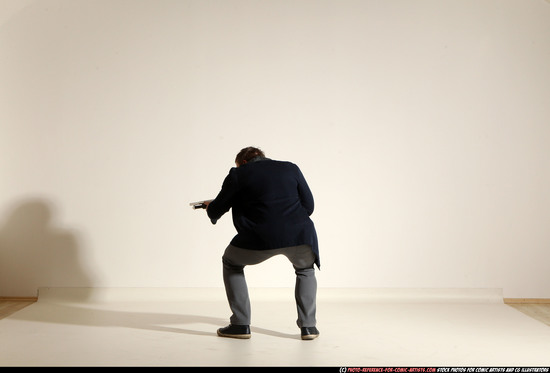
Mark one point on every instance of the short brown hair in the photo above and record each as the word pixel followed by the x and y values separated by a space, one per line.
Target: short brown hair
pixel 246 154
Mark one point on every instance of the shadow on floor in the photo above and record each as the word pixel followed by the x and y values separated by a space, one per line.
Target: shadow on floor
pixel 161 322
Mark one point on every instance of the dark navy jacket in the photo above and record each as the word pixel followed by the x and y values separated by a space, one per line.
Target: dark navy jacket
pixel 271 203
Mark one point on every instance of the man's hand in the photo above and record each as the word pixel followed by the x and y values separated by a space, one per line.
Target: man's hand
pixel 200 204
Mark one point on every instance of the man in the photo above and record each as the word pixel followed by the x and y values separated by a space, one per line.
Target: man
pixel 271 203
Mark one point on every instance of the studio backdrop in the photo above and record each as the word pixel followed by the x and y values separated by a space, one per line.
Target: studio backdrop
pixel 422 127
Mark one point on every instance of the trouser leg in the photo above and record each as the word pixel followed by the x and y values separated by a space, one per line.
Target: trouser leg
pixel 236 291
pixel 234 260
pixel 305 290
pixel 306 294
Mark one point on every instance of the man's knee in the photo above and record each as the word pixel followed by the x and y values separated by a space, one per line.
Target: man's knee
pixel 230 265
pixel 306 272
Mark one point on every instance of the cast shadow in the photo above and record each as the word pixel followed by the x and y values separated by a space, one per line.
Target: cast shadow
pixel 36 251
pixel 74 314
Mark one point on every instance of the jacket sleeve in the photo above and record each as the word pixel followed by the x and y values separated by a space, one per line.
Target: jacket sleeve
pixel 224 200
pixel 306 197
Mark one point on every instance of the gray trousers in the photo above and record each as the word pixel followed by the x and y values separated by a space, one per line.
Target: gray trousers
pixel 302 258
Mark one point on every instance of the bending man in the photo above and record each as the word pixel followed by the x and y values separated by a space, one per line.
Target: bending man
pixel 271 206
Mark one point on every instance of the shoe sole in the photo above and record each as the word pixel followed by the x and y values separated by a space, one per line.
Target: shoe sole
pixel 237 336
pixel 309 337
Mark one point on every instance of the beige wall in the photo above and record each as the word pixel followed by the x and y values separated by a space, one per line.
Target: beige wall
pixel 423 128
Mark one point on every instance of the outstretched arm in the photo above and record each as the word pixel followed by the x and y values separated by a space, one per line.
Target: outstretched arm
pixel 223 202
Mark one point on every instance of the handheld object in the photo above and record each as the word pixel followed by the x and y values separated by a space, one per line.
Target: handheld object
pixel 200 204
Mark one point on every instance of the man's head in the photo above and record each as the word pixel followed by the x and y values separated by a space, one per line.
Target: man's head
pixel 247 154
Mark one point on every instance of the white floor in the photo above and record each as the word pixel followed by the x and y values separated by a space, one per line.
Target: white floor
pixel 359 328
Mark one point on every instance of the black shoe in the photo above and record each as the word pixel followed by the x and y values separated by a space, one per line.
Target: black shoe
pixel 309 332
pixel 235 331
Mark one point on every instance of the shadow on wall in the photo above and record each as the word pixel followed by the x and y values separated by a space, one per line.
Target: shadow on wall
pixel 36 252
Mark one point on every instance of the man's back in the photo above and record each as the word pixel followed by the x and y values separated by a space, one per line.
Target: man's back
pixel 276 190
pixel 271 203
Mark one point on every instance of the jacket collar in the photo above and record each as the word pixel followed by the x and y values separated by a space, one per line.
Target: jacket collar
pixel 258 158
